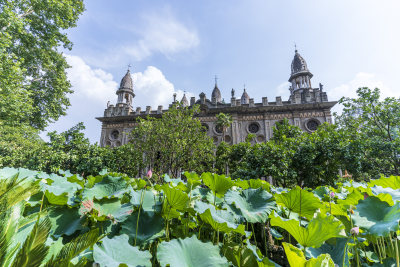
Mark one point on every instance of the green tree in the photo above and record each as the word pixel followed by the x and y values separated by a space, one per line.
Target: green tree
pixel 33 81
pixel 224 121
pixel 373 129
pixel 18 144
pixel 174 142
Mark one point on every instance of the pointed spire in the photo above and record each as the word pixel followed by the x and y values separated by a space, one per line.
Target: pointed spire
pixel 184 100
pixel 245 99
pixel 216 93
pixel 126 82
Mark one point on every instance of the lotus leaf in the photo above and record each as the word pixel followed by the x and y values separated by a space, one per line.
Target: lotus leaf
pixel 189 252
pixel 338 252
pixel 219 184
pixel 108 187
pixel 176 198
pixel 113 209
pixel 220 220
pixel 59 191
pixel 254 204
pixel 151 226
pixel 116 251
pixel 377 216
pixel 296 258
pixel 149 200
pixel 312 235
pixel 392 182
pixel 299 201
pixel 65 220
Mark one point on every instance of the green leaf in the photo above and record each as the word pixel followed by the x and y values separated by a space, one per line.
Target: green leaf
pixel 300 201
pixel 109 187
pixel 254 204
pixel 220 220
pixel 377 216
pixel 391 182
pixel 338 251
pixel 113 209
pixel 34 249
pixel 219 184
pixel 59 191
pixel 175 197
pixel 311 236
pixel 189 252
pixel 149 200
pixel 65 221
pixel 296 258
pixel 151 226
pixel 116 251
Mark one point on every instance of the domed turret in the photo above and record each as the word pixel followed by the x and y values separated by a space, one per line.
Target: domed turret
pixel 298 63
pixel 184 101
pixel 126 82
pixel 125 92
pixel 300 75
pixel 245 99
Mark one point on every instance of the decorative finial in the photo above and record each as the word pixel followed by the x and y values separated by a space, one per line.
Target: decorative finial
pixel 295 47
pixel 216 78
pixel 129 67
pixel 244 87
pixel 233 92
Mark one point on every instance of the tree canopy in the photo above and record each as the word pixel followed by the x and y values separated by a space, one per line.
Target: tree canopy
pixel 33 81
pixel 174 142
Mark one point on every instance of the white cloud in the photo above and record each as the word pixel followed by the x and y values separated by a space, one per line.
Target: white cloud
pixel 162 33
pixel 93 84
pixel 349 89
pixel 152 89
pixel 93 88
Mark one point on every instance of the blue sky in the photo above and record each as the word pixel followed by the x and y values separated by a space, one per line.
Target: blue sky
pixel 176 46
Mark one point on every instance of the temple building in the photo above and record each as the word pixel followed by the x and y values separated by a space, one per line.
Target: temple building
pixel 307 108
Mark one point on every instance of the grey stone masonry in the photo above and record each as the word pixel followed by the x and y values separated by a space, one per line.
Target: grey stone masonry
pixel 307 108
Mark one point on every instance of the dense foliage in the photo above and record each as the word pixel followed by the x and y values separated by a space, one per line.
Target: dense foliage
pixel 33 81
pixel 373 128
pixel 291 157
pixel 207 220
pixel 173 143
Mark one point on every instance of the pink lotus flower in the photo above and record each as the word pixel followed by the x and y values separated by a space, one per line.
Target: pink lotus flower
pixel 355 230
pixel 149 174
pixel 87 206
pixel 332 194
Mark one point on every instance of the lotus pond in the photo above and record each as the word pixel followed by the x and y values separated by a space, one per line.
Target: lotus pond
pixel 200 220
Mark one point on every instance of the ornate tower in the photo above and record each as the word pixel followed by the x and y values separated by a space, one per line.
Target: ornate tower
pixel 300 77
pixel 184 101
pixel 245 99
pixel 125 92
pixel 216 94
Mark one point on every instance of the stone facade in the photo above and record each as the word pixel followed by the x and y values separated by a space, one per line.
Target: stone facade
pixel 307 108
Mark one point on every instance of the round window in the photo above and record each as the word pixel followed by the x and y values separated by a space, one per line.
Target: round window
pixel 114 134
pixel 312 125
pixel 254 127
pixel 218 128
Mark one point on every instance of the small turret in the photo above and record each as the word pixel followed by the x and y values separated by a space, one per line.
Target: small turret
pixel 184 101
pixel 245 99
pixel 125 92
pixel 216 93
pixel 300 76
